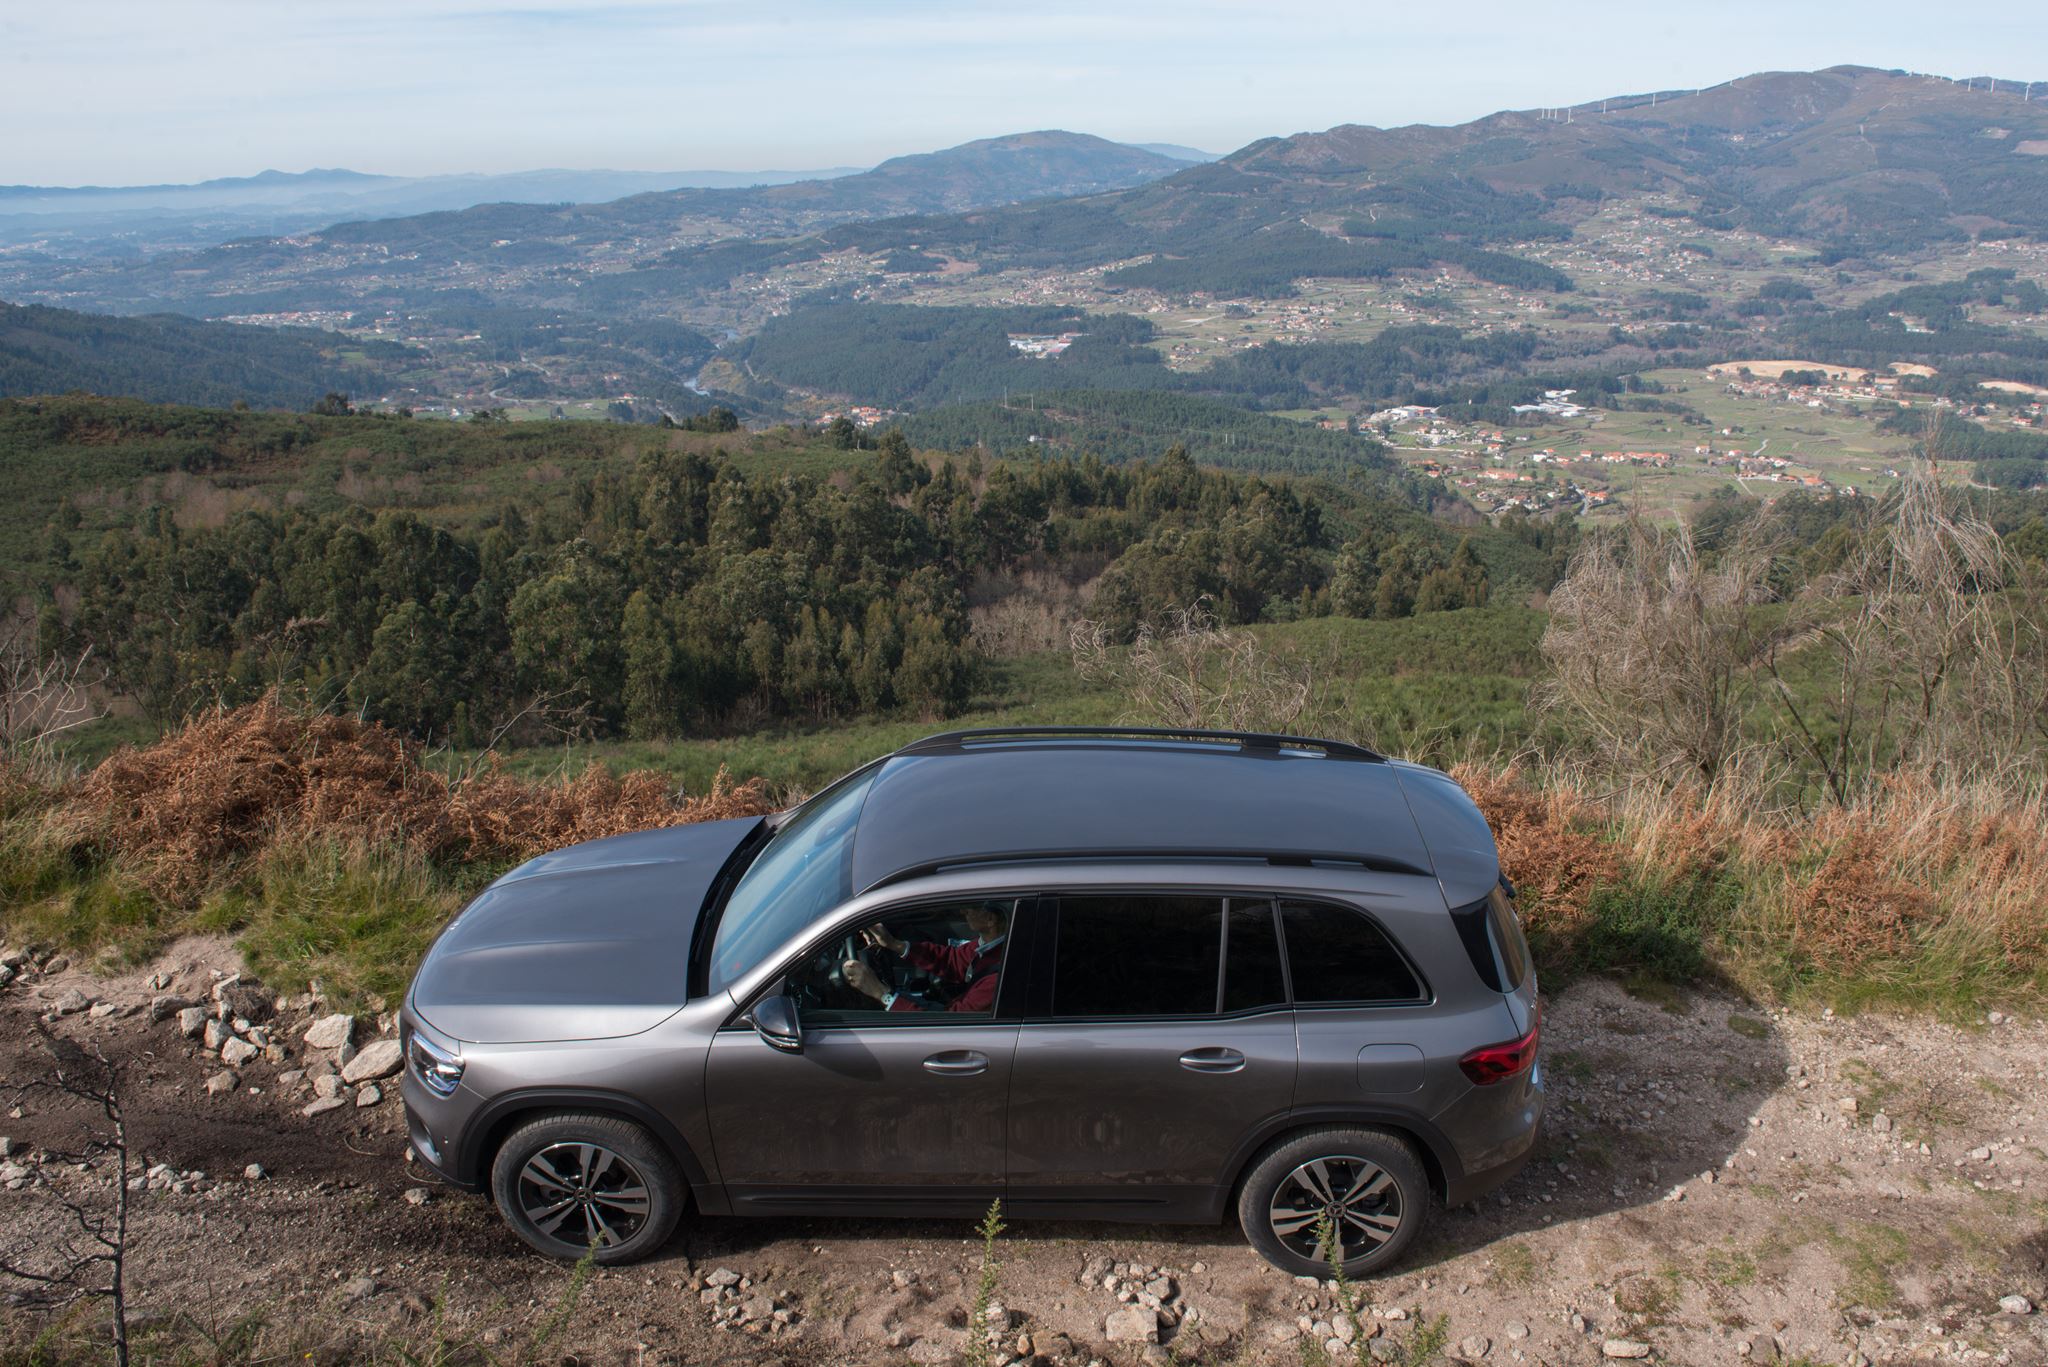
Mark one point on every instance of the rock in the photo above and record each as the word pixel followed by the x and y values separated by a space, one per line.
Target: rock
pixel 1995 1018
pixel 343 1055
pixel 236 1052
pixel 13 958
pixel 997 1317
pixel 1094 1271
pixel 245 1001
pixel 191 1021
pixel 290 1079
pixel 258 1035
pixel 6 975
pixel 378 1059
pixel 255 1173
pixel 902 1280
pixel 101 1010
pixel 1881 1122
pixel 1132 1324
pixel 724 1276
pixel 163 1008
pixel 216 1033
pixel 56 963
pixel 318 1066
pixel 70 1003
pixel 1281 1333
pixel 757 1308
pixel 6 1147
pixel 1161 1287
pixel 1846 1105
pixel 221 1082
pixel 2015 1305
pixel 415 1196
pixel 322 1105
pixel 1477 1346
pixel 369 1095
pixel 1624 1348
pixel 330 1032
pixel 1515 1330
pixel 1981 1154
pixel 328 1085
pixel 11 1173
pixel 362 1288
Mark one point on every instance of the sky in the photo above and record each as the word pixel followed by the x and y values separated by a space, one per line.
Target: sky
pixel 142 91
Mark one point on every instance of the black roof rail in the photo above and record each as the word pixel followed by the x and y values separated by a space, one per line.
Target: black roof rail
pixel 1245 740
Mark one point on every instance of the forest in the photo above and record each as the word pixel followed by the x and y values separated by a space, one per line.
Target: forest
pixel 681 592
pixel 174 359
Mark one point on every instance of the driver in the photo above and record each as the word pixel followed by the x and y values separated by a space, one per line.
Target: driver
pixel 967 969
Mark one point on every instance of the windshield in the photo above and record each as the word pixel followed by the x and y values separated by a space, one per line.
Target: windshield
pixel 803 872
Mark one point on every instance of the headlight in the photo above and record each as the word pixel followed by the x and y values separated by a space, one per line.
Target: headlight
pixel 437 1068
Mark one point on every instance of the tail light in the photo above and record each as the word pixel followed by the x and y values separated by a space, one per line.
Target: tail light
pixel 1499 1062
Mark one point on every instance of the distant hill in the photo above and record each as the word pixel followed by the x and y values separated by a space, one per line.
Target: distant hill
pixel 1178 152
pixel 169 359
pixel 97 219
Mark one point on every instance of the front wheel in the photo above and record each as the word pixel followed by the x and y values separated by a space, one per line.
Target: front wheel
pixel 576 1184
pixel 1363 1189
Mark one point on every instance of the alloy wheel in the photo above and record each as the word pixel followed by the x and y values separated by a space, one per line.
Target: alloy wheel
pixel 583 1194
pixel 1357 1197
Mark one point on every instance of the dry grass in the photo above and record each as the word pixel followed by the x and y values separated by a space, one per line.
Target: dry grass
pixel 1919 892
pixel 233 783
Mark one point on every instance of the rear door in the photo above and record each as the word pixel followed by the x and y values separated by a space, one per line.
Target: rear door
pixel 1156 1039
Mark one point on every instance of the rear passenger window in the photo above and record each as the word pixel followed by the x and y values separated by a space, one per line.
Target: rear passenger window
pixel 1339 957
pixel 1251 975
pixel 1137 956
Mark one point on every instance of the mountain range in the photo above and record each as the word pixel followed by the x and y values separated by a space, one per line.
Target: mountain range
pixel 1844 164
pixel 130 220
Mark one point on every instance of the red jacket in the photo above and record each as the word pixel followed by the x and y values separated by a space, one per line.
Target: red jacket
pixel 977 965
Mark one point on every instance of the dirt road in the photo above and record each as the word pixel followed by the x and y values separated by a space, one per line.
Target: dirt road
pixel 1719 1184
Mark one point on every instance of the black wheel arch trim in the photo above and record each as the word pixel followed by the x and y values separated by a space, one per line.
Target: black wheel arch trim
pixel 1440 1161
pixel 495 1119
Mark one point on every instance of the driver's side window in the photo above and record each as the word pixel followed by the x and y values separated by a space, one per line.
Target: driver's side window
pixel 933 961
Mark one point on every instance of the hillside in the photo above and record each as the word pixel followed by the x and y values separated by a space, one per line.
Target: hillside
pixel 167 358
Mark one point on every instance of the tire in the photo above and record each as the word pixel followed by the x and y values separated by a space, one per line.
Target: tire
pixel 636 1194
pixel 1284 1195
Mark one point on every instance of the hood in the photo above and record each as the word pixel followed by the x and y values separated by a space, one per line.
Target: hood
pixel 587 942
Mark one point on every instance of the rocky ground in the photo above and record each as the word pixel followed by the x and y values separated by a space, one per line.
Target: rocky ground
pixel 1720 1183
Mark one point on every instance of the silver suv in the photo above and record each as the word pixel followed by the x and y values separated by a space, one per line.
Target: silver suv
pixel 1118 975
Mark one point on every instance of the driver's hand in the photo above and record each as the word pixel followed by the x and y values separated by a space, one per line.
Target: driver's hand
pixel 863 979
pixel 879 936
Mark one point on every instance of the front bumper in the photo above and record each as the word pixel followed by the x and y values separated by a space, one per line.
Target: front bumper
pixel 431 1125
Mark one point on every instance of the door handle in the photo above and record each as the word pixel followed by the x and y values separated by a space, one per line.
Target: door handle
pixel 957 1063
pixel 1215 1059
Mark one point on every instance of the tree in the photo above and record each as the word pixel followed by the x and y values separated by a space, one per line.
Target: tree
pixel 333 404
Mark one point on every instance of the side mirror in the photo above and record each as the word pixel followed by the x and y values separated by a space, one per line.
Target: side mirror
pixel 776 1023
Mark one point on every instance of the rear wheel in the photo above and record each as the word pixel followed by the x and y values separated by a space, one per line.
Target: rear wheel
pixel 1364 1189
pixel 572 1184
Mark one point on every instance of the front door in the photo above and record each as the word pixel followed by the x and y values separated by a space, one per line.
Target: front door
pixel 1143 1063
pixel 899 1098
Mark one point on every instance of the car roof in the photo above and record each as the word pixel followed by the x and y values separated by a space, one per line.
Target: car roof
pixel 983 796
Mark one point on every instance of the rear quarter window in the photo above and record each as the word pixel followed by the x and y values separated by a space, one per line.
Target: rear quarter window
pixel 1337 956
